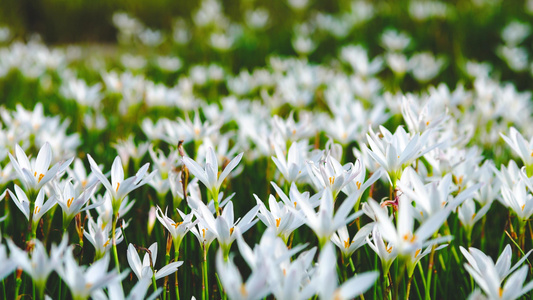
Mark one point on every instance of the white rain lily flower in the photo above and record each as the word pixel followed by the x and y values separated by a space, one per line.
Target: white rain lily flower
pixel 209 174
pixel 148 263
pixel 40 208
pixel 279 217
pixel 83 280
pixel 433 197
pixel 519 200
pixel 295 197
pixel 396 151
pixel 325 278
pixel 105 210
pixel 413 260
pixel 35 174
pixel 38 265
pixel 468 215
pixel 325 222
pixel 386 252
pixel 292 168
pixel 224 226
pixel 71 203
pixel 403 237
pixel 177 230
pixel 138 292
pixel 421 118
pixel 358 185
pixel 99 236
pixel 342 240
pixel 490 276
pixel 82 180
pixel 330 174
pixel 509 175
pixel 522 147
pixel 119 187
pixel 254 288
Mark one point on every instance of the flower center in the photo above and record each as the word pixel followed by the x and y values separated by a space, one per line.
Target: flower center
pixel 69 202
pixel 40 177
pixel 178 224
pixel 278 220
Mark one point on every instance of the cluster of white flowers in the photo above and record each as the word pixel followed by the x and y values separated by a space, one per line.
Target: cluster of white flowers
pixel 339 163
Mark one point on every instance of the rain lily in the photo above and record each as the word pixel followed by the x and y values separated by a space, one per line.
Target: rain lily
pixel 522 147
pixel 119 187
pixel 209 174
pixel 36 174
pixel 41 207
pixel 342 240
pixel 490 276
pixel 148 263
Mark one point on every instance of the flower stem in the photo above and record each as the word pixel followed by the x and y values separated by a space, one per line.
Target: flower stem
pixel 114 241
pixel 177 255
pixel 205 283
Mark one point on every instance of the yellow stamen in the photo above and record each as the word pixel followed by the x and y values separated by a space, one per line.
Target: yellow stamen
pixel 332 180
pixel 118 185
pixel 37 210
pixel 40 177
pixel 231 230
pixel 203 232
pixel 69 202
pixel 197 131
pixel 427 123
pixel 500 292
pixel 358 185
pixel 523 206
pixel 417 252
pixel 243 290
pixel 176 224
pixel 294 204
pixel 346 244
pixel 473 216
pixel 278 220
pixel 293 131
pixel 106 243
pixel 389 249
pixel 83 183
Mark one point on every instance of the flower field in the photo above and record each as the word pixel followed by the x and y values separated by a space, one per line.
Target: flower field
pixel 289 149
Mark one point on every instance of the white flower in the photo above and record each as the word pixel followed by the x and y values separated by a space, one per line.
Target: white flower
pixel 35 174
pixel 330 174
pixel 386 252
pixel 208 175
pixel 279 217
pixel 39 265
pixel 23 204
pixel 71 203
pixel 224 226
pixel 324 222
pixel 403 237
pixel 176 229
pixel 342 239
pixel 292 167
pixel 490 276
pixel 148 263
pixel 254 288
pixel 522 147
pixel 325 278
pixel 119 187
pixel 99 236
pixel 83 280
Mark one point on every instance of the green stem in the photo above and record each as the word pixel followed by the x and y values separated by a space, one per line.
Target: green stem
pixel 177 255
pixel 205 285
pixel 17 288
pixel 114 241
pixel 430 272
